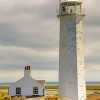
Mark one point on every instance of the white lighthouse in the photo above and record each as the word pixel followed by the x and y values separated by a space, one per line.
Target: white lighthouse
pixel 71 57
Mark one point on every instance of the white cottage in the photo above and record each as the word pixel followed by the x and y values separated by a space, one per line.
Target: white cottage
pixel 27 86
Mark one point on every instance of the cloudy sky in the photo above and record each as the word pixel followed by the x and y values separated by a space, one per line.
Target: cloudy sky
pixel 29 35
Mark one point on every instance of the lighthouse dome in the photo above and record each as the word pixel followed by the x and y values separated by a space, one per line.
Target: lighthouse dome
pixel 71 0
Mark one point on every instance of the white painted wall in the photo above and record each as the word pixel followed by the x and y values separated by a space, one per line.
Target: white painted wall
pixel 71 58
pixel 26 84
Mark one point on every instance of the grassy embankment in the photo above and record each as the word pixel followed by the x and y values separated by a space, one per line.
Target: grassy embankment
pixel 4 90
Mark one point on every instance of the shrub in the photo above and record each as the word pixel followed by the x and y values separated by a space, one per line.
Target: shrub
pixel 4 96
pixel 19 98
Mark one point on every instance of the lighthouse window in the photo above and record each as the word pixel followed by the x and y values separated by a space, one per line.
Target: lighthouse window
pixel 35 90
pixel 18 90
pixel 64 9
pixel 71 10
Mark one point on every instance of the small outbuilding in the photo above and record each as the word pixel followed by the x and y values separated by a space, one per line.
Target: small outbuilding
pixel 27 86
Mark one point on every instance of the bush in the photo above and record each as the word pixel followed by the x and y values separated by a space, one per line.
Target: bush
pixel 19 98
pixel 4 96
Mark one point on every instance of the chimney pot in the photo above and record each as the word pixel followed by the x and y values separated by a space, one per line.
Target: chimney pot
pixel 27 71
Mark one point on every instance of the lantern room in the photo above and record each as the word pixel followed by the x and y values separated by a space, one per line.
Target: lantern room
pixel 70 6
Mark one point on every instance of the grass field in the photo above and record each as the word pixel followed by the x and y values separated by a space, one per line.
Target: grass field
pixel 93 96
pixel 36 99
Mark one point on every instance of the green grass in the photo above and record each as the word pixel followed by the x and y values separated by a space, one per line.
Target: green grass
pixel 36 99
pixel 4 87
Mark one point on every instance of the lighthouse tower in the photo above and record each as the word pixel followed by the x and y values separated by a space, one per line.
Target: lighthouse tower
pixel 71 57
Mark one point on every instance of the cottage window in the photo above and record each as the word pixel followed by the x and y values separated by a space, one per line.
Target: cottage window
pixel 18 90
pixel 35 90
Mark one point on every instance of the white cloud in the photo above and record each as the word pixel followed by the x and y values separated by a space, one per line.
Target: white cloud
pixel 13 76
pixel 93 72
pixel 29 34
pixel 17 57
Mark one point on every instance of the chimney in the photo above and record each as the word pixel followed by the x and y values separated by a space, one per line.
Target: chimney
pixel 27 71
